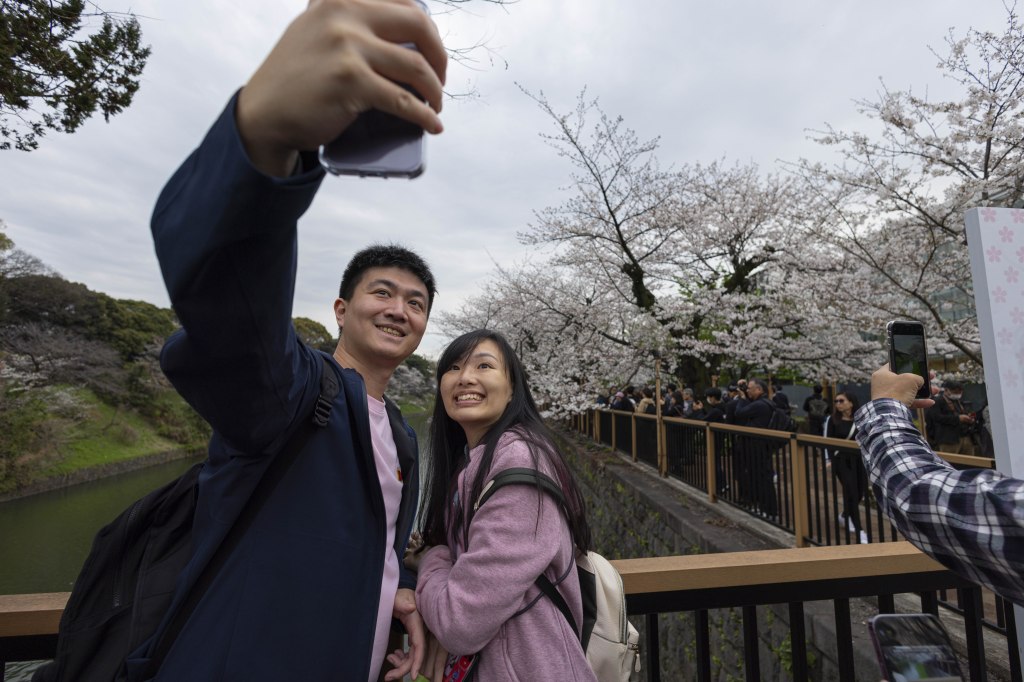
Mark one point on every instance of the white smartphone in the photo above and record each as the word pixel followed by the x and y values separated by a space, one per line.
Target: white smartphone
pixel 377 144
pixel 913 647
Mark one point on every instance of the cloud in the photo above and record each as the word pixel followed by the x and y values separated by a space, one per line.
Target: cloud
pixel 739 79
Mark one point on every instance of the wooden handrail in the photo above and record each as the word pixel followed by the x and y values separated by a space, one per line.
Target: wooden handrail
pixel 806 438
pixel 773 567
pixel 39 614
pixel 31 614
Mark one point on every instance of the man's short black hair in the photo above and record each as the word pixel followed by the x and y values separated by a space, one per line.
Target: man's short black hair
pixel 386 256
pixel 952 385
pixel 760 383
pixel 713 392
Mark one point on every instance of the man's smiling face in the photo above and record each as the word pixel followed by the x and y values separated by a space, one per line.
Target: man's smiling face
pixel 384 320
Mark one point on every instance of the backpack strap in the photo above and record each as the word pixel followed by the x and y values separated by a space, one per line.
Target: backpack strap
pixel 521 476
pixel 556 598
pixel 329 389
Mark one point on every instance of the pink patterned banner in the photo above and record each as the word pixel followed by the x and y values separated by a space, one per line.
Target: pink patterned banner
pixel 995 239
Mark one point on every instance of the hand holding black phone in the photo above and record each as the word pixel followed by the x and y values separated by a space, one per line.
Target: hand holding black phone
pixel 907 352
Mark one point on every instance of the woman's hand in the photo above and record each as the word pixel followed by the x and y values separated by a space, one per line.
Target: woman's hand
pixel 437 656
pixel 414 552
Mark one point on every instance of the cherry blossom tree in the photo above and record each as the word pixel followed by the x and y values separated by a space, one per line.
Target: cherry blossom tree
pixel 697 265
pixel 892 207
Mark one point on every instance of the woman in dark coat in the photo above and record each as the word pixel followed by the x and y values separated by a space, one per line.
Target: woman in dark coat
pixel 847 465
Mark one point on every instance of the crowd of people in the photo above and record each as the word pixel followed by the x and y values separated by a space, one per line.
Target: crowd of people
pixel 717 404
pixel 952 424
pixel 749 402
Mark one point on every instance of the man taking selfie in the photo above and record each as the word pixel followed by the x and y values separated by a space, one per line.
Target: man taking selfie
pixel 311 589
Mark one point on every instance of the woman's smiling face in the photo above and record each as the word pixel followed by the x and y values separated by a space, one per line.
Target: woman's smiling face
pixel 476 389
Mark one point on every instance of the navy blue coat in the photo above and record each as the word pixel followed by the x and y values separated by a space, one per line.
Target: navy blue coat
pixel 298 599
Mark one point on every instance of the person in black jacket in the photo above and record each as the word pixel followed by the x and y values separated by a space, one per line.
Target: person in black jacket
pixel 621 402
pixel 730 402
pixel 952 427
pixel 756 473
pixel 710 410
pixel 817 409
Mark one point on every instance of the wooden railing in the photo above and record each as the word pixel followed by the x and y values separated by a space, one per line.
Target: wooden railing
pixel 794 491
pixel 28 626
pixel 804 495
pixel 699 584
pixel 747 580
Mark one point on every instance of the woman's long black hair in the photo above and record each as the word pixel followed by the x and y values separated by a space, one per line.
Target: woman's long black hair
pixel 448 446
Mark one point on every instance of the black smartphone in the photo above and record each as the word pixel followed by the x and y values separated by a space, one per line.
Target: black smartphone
pixel 913 647
pixel 907 351
pixel 377 144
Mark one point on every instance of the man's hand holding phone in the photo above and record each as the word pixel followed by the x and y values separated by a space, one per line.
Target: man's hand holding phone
pixel 338 59
pixel 901 387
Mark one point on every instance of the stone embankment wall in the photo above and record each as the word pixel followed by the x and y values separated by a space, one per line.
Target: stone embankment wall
pixel 634 513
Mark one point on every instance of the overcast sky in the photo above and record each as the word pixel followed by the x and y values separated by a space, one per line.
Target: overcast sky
pixel 743 80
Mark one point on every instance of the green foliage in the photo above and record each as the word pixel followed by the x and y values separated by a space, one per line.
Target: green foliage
pixel 54 74
pixel 127 326
pixel 107 435
pixel 176 421
pixel 57 430
pixel 130 326
pixel 52 299
pixel 421 365
pixel 314 334
pixel 21 419
pixel 82 384
pixel 784 652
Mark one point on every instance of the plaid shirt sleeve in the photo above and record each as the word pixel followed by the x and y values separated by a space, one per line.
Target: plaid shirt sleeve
pixel 970 521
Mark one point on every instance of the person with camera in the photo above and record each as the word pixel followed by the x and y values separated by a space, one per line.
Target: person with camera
pixel 970 521
pixel 756 474
pixel 952 426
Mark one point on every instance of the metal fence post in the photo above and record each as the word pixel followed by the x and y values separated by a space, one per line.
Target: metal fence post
pixel 798 467
pixel 712 461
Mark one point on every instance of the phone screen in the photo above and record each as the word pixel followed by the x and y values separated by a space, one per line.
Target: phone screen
pixel 907 352
pixel 914 647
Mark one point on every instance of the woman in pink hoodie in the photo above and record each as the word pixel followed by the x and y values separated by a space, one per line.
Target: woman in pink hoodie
pixel 476 590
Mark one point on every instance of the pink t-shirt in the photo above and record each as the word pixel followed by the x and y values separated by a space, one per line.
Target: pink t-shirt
pixel 385 455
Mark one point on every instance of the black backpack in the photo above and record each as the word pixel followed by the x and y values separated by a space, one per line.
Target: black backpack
pixel 817 407
pixel 126 584
pixel 780 419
